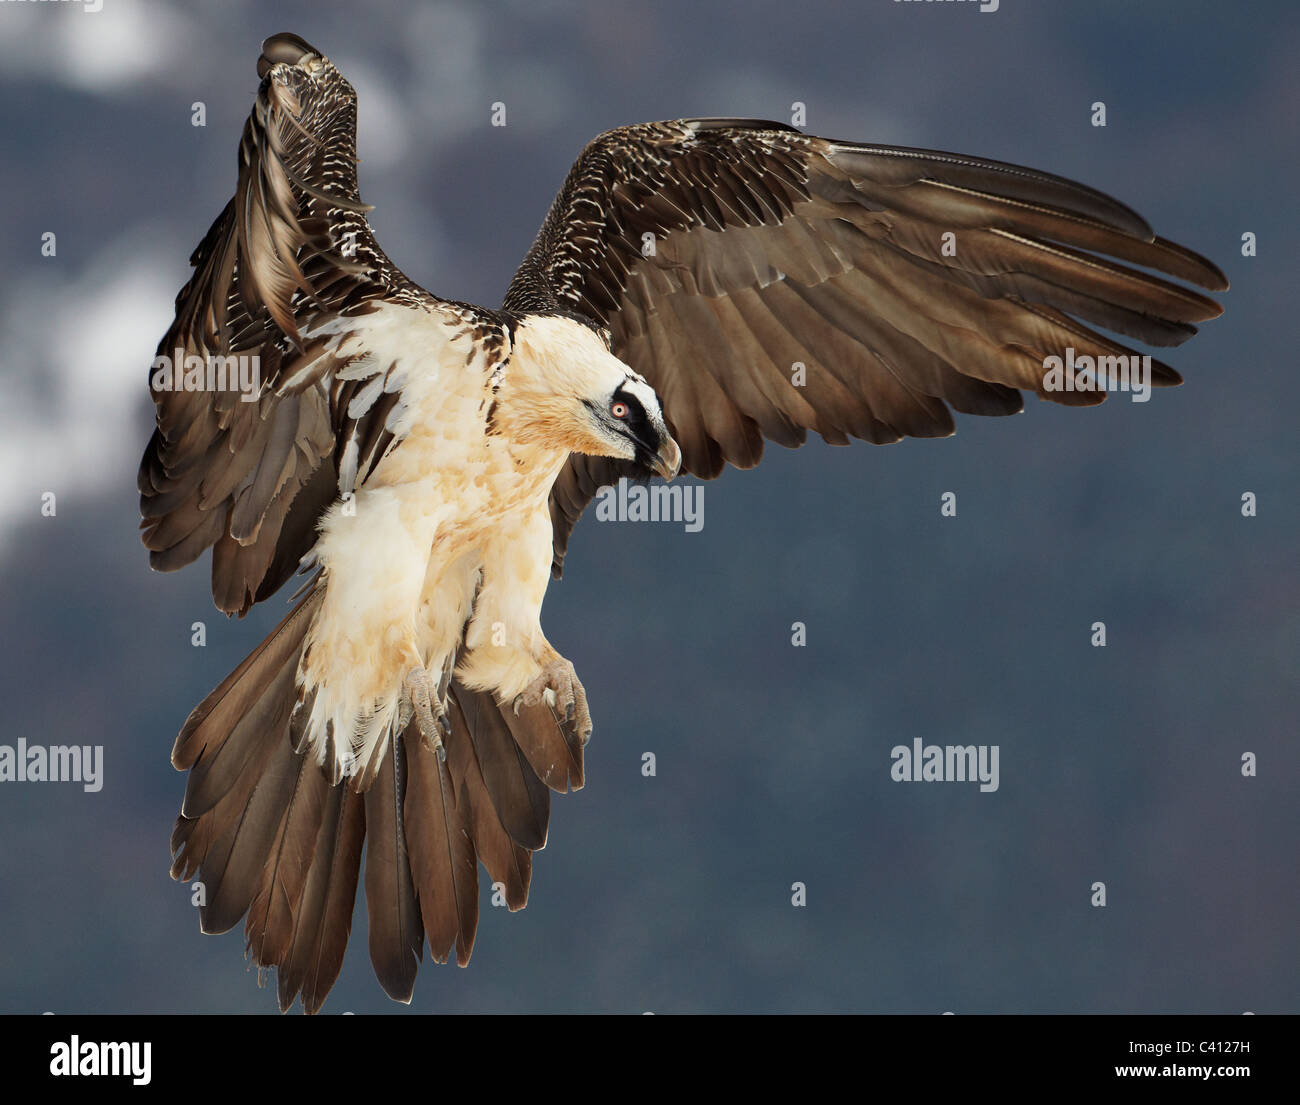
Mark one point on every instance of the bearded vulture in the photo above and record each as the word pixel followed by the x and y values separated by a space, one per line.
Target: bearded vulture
pixel 426 460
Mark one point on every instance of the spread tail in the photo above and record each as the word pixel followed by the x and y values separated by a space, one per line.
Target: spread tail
pixel 273 842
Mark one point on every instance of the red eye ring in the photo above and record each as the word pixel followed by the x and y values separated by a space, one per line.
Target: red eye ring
pixel 619 410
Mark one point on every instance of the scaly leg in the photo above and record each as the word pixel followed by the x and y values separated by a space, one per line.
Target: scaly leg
pixel 430 709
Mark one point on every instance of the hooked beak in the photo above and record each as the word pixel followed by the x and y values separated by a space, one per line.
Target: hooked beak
pixel 668 461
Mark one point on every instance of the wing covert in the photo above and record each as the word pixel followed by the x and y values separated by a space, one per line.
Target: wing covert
pixel 769 283
pixel 285 266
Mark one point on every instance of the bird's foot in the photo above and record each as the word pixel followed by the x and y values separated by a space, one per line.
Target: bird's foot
pixel 429 710
pixel 559 687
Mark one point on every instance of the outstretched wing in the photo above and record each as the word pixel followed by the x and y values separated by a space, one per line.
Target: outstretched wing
pixel 247 455
pixel 281 276
pixel 768 283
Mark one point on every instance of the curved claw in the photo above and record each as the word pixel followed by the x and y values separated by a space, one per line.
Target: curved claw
pixel 560 689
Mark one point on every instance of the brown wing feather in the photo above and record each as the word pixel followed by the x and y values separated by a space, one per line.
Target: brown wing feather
pixel 772 248
pixel 291 252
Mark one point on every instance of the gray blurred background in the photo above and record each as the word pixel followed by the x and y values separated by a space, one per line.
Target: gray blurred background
pixel 673 894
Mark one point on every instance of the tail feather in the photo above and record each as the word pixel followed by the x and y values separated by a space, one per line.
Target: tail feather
pixel 239 856
pixel 272 915
pixel 553 750
pixel 194 839
pixel 396 929
pixel 521 800
pixel 217 716
pixel 443 860
pixel 275 842
pixel 217 770
pixel 507 863
pixel 324 917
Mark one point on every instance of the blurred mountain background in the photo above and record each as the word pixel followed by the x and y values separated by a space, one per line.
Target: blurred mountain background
pixel 1119 765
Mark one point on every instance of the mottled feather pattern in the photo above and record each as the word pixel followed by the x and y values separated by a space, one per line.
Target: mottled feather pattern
pixel 773 249
pixel 285 267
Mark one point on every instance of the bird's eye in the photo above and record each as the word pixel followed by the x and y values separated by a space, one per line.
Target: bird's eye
pixel 619 410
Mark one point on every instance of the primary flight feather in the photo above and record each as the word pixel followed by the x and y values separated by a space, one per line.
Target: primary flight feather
pixel 427 459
